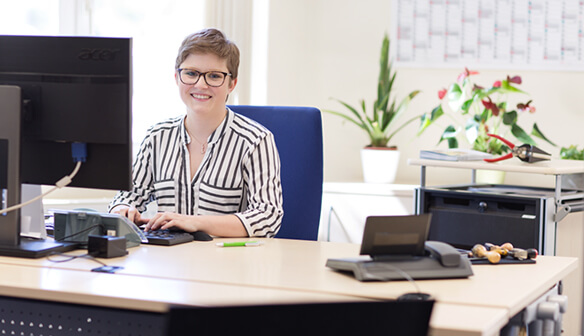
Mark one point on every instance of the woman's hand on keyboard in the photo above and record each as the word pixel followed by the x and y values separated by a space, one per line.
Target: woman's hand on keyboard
pixel 167 220
pixel 132 213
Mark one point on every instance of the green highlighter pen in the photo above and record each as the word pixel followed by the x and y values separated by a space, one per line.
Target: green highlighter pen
pixel 233 244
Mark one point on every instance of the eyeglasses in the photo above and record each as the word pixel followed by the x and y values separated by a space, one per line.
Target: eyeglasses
pixel 212 78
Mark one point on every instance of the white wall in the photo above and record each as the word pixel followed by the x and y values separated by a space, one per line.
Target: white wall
pixel 320 49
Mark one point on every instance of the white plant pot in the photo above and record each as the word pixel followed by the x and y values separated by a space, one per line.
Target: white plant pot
pixel 379 165
pixel 490 176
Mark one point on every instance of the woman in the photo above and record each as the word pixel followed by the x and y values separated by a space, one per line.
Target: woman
pixel 211 170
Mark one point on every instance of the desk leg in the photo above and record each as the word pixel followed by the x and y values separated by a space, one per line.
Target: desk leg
pixel 558 192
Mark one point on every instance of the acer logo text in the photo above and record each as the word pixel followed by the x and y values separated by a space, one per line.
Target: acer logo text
pixel 98 54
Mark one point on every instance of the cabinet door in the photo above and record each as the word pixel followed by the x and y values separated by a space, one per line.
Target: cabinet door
pixel 343 215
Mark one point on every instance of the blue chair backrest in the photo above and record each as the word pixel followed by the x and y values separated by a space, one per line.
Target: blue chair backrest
pixel 298 135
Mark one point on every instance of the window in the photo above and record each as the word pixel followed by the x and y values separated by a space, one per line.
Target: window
pixel 32 17
pixel 157 29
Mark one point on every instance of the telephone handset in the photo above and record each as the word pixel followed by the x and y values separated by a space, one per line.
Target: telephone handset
pixel 445 253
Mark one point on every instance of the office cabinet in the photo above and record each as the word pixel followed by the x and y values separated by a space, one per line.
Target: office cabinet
pixel 466 215
pixel 345 206
pixel 525 216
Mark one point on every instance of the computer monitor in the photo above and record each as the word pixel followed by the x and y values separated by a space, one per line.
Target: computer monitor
pixel 55 91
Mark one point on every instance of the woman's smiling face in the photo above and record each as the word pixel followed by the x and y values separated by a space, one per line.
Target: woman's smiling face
pixel 200 98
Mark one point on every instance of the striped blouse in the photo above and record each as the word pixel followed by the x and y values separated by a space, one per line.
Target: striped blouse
pixel 239 174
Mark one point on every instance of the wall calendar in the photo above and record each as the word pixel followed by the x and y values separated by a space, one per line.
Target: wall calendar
pixel 496 34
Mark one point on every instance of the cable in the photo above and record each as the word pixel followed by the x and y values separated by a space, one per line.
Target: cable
pixel 60 184
pixel 80 232
pixel 401 272
pixel 72 257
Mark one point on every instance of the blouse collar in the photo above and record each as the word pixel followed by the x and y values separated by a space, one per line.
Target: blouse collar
pixel 217 133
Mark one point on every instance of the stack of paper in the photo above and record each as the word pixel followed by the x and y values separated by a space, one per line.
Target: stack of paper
pixel 454 154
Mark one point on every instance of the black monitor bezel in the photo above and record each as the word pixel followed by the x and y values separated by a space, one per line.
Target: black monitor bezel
pixel 44 69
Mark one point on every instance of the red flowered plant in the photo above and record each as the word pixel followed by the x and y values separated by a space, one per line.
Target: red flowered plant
pixel 485 111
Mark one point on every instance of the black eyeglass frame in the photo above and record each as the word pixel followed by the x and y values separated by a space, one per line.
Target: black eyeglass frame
pixel 204 75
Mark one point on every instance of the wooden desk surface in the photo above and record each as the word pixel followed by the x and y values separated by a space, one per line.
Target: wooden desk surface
pixel 295 265
pixel 458 320
pixel 157 294
pixel 206 275
pixel 137 293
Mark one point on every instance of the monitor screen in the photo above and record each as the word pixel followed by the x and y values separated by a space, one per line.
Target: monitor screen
pixel 69 90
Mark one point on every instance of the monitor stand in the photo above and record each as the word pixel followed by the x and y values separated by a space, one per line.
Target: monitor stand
pixel 35 248
pixel 11 244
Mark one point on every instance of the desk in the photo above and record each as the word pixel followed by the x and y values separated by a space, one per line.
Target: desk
pixel 559 219
pixel 280 270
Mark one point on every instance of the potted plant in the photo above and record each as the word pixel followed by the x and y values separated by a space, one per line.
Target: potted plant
pixel 380 123
pixel 571 153
pixel 484 110
pixel 475 111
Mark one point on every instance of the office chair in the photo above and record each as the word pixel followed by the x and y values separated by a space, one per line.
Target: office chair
pixel 395 318
pixel 298 135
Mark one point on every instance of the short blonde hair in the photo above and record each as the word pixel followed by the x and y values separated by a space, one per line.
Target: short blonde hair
pixel 210 41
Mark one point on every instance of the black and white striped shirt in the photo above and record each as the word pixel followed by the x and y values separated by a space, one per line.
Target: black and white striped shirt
pixel 239 174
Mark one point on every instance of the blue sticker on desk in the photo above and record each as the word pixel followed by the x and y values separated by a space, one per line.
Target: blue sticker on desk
pixel 107 269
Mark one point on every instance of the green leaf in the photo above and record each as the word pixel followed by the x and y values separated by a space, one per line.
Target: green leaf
pixel 388 116
pixel 454 92
pixel 480 145
pixel 348 118
pixel 364 109
pixel 437 112
pixel 356 119
pixel 428 118
pixel 571 153
pixel 521 135
pixel 449 135
pixel 496 147
pixel 508 88
pixel 402 107
pixel 510 118
pixel 536 132
pixel 455 97
pixel 385 81
pixel 425 121
pixel 490 91
pixel 484 116
pixel 466 106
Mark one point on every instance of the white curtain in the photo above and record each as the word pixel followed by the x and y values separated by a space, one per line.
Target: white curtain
pixel 234 18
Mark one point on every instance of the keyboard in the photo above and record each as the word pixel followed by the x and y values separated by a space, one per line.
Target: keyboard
pixel 167 237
